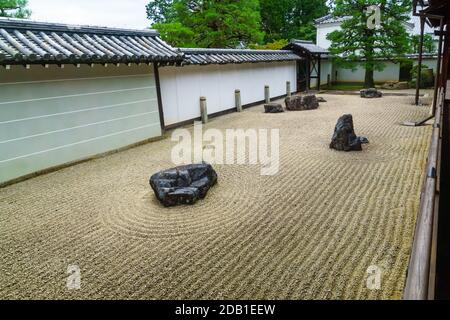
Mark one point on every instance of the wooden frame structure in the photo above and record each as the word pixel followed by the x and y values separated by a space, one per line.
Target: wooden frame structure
pixel 428 272
pixel 313 57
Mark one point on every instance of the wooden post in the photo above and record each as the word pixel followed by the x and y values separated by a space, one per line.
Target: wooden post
pixel 203 110
pixel 267 94
pixel 319 71
pixel 237 100
pixel 288 89
pixel 419 66
pixel 438 68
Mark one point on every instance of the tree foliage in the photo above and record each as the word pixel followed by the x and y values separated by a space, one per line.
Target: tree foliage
pixel 14 9
pixel 207 23
pixel 428 44
pixel 288 19
pixel 356 42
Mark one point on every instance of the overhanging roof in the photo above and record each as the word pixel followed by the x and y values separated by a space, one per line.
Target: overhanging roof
pixel 307 47
pixel 225 56
pixel 29 42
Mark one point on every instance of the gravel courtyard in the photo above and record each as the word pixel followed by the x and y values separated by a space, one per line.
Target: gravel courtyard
pixel 309 232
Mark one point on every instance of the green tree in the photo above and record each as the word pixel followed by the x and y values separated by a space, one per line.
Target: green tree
pixel 160 11
pixel 14 9
pixel 288 19
pixel 428 44
pixel 362 42
pixel 207 23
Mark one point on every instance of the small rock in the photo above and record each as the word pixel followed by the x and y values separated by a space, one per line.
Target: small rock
pixel 321 99
pixel 273 108
pixel 344 138
pixel 183 185
pixel 371 93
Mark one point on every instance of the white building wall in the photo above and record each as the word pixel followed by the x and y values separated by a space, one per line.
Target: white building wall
pixel 50 117
pixel 322 33
pixel 430 63
pixel 390 73
pixel 182 87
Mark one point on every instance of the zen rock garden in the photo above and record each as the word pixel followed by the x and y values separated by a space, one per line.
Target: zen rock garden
pixel 344 138
pixel 183 185
pixel 371 93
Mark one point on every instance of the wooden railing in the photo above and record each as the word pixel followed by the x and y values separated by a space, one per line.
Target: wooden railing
pixel 420 281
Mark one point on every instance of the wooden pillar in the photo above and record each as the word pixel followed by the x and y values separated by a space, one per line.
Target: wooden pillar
pixel 203 110
pixel 438 69
pixel 237 100
pixel 159 97
pixel 318 72
pixel 308 74
pixel 419 66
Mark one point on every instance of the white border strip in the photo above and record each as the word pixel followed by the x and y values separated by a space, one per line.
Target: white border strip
pixel 78 127
pixel 77 95
pixel 78 111
pixel 78 79
pixel 80 142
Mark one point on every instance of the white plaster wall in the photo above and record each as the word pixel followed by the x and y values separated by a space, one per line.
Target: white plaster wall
pixel 322 32
pixel 430 63
pixel 182 87
pixel 54 116
pixel 390 73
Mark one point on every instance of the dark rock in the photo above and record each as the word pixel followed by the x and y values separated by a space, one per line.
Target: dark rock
pixel 371 93
pixel 344 138
pixel 183 185
pixel 321 99
pixel 273 108
pixel 294 103
pixel 299 103
pixel 310 102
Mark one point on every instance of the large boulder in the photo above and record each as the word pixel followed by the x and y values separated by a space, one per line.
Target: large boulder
pixel 273 108
pixel 183 185
pixel 301 103
pixel 371 93
pixel 344 138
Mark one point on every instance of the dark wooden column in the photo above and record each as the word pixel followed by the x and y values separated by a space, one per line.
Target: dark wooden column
pixel 318 71
pixel 419 71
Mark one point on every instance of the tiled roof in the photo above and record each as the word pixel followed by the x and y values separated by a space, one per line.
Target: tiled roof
pixel 224 56
pixel 28 42
pixel 330 19
pixel 307 46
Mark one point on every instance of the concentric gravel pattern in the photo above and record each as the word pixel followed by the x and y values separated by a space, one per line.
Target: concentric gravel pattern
pixel 309 232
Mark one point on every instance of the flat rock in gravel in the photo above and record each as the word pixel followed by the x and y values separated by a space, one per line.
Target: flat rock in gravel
pixel 344 138
pixel 183 185
pixel 273 108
